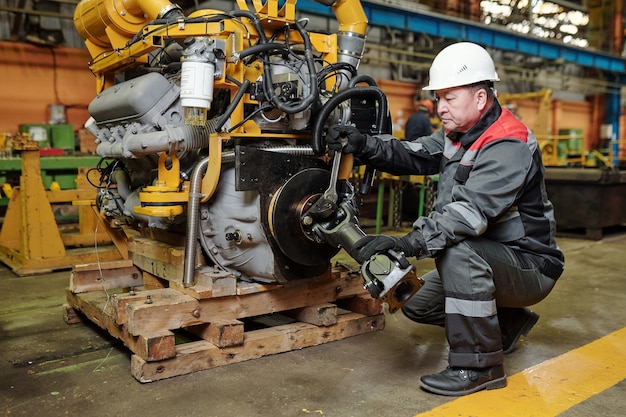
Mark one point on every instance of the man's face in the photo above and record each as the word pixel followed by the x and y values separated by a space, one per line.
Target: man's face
pixel 459 108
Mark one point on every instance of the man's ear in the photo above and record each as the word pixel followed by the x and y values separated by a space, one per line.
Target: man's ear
pixel 481 99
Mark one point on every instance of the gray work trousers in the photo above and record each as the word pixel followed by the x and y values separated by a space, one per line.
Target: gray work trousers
pixel 472 280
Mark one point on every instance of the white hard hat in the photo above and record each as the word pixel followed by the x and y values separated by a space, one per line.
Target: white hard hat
pixel 460 64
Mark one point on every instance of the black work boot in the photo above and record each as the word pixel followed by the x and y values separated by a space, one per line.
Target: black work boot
pixel 459 381
pixel 515 323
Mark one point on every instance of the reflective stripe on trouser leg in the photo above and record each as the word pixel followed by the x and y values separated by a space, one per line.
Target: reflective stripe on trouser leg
pixel 472 327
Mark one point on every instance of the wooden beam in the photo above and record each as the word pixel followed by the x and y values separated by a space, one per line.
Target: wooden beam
pixel 203 355
pixel 178 310
pixel 107 275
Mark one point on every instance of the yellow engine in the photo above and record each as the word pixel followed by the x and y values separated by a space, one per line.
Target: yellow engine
pixel 211 127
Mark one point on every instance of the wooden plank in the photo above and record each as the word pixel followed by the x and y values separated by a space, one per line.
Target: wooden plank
pixel 222 333
pixel 157 267
pixel 196 291
pixel 244 288
pixel 153 249
pixel 209 283
pixel 163 296
pixel 203 355
pixel 105 275
pixel 143 321
pixel 98 308
pixel 114 230
pixel 222 283
pixel 71 315
pixel 94 266
pixel 319 315
pixel 155 347
pixel 152 282
pixel 363 304
pixel 185 311
pixel 157 258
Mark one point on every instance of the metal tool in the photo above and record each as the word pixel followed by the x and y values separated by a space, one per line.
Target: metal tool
pixel 331 192
pixel 390 277
pixel 326 205
pixel 387 275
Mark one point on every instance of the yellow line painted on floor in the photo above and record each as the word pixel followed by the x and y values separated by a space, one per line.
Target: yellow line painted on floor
pixel 551 387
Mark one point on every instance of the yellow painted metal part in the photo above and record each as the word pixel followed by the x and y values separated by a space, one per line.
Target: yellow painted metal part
pixel 108 24
pixel 160 211
pixel 112 53
pixel 167 190
pixel 29 226
pixel 7 189
pixel 350 16
pixel 230 32
pixel 551 387
pixel 212 176
pixel 236 35
pixel 30 239
pixel 168 179
pixel 271 13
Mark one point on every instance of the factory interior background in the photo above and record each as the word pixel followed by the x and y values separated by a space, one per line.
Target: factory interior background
pixel 116 301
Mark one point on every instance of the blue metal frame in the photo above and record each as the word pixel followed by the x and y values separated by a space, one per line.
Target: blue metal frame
pixel 612 114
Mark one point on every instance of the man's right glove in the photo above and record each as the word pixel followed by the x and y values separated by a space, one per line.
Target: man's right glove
pixel 411 244
pixel 353 139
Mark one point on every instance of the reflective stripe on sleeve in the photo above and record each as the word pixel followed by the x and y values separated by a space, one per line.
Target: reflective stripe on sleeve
pixel 475 221
pixel 413 146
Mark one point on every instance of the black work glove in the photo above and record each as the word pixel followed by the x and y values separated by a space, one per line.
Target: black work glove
pixel 354 139
pixel 411 244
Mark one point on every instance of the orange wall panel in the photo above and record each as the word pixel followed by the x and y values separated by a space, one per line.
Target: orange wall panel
pixel 33 78
pixel 401 96
pixel 573 115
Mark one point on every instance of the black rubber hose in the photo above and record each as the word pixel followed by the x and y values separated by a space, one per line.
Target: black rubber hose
pixel 231 107
pixel 256 22
pixel 382 116
pixel 262 47
pixel 313 91
pixel 362 79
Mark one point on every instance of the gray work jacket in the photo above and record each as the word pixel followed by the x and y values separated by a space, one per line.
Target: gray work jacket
pixel 491 184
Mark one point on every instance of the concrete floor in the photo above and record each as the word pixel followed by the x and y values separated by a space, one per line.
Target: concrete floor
pixel 50 368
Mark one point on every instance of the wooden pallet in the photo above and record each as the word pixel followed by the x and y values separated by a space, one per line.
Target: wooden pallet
pixel 173 330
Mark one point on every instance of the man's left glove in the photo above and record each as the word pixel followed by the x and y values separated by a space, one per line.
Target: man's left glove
pixel 412 244
pixel 354 139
